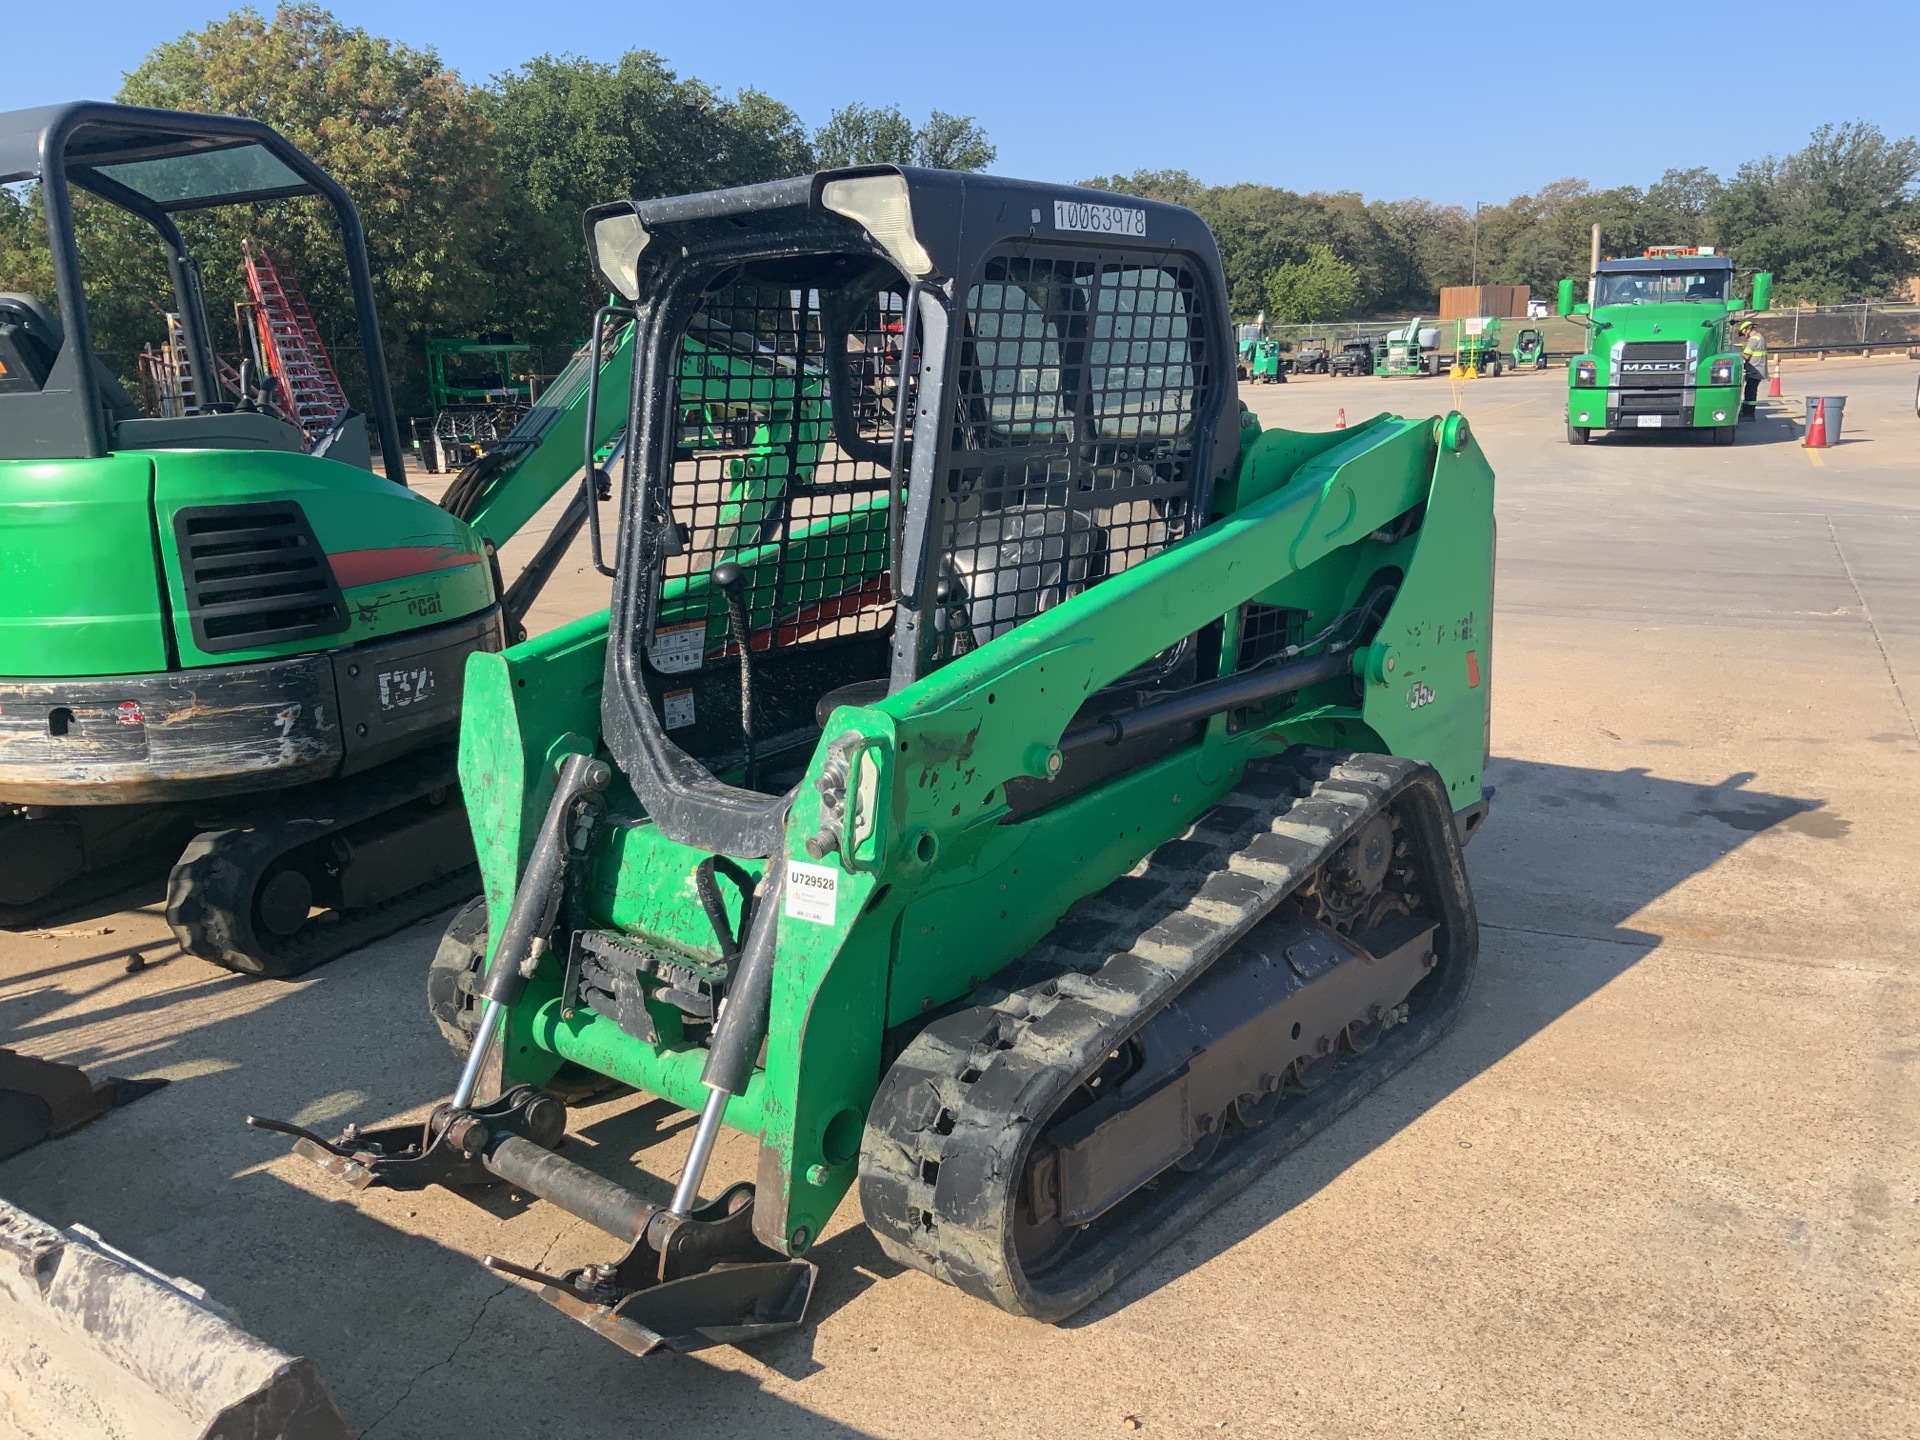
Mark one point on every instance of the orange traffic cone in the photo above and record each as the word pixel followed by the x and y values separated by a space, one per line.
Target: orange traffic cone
pixel 1773 385
pixel 1817 430
pixel 1341 423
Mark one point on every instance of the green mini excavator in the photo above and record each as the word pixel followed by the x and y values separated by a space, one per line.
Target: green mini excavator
pixel 1027 791
pixel 223 631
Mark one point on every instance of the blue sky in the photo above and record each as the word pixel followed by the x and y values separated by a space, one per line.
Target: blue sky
pixel 1462 102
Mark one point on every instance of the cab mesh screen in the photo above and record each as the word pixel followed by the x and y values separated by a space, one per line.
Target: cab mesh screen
pixel 1076 414
pixel 761 476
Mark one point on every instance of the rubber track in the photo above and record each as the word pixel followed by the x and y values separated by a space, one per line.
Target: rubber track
pixel 948 1135
pixel 210 892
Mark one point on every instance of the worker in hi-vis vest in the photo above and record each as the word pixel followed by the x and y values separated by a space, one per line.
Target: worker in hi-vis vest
pixel 1753 350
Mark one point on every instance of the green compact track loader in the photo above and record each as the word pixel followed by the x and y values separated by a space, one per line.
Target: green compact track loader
pixel 1036 802
pixel 221 628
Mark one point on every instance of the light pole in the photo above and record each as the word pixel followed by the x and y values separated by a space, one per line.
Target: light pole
pixel 1476 245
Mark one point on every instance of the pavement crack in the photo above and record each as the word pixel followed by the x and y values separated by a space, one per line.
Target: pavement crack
pixel 479 1314
pixel 1867 611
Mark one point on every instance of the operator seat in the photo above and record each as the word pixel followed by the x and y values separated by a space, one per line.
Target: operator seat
pixel 31 338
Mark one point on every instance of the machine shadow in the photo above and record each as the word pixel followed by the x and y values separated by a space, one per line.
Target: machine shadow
pixel 407 1332
pixel 1566 858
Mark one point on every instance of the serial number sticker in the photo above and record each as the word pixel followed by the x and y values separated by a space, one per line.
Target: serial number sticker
pixel 678 648
pixel 812 892
pixel 1649 422
pixel 1099 219
pixel 676 709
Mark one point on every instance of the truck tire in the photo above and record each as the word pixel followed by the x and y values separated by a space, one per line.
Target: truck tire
pixel 1724 434
pixel 1577 436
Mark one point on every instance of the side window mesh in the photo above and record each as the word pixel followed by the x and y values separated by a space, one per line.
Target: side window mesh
pixel 760 476
pixel 1073 432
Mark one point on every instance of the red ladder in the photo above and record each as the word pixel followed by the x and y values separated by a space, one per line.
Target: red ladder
pixel 310 392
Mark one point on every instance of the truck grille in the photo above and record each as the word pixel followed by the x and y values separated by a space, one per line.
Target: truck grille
pixel 1652 402
pixel 255 575
pixel 1654 350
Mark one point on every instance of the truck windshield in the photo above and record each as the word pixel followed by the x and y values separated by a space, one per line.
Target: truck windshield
pixel 1661 287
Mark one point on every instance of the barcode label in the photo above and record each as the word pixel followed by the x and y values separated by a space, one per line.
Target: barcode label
pixel 813 892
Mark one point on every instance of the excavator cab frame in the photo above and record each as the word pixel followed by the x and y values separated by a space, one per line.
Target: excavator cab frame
pixel 154 164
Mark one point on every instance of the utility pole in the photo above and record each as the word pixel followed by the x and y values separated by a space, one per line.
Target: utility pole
pixel 1476 245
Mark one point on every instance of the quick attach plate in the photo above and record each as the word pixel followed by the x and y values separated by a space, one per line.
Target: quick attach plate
pixel 687 1283
pixel 446 1150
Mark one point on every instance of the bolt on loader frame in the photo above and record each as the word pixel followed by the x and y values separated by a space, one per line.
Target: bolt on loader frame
pixel 1021 786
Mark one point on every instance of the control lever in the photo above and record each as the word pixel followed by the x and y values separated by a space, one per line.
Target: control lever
pixel 732 581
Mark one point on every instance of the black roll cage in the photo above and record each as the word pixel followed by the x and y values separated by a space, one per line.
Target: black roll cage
pixel 34 145
pixel 695 237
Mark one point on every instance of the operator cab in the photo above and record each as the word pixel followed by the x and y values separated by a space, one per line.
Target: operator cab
pixel 881 418
pixel 69 374
pixel 1664 280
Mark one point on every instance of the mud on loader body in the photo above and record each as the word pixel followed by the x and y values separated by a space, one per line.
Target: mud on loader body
pixel 1023 788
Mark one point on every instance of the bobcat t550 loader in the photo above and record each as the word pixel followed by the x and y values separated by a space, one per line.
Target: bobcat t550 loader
pixel 1031 794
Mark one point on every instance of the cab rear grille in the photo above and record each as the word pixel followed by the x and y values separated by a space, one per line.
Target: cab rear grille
pixel 255 575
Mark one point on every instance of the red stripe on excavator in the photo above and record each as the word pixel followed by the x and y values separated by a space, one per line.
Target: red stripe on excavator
pixel 371 567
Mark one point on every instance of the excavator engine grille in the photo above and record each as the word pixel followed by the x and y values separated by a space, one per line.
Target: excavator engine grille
pixel 255 575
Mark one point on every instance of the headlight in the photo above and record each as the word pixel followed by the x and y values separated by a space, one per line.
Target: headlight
pixel 882 205
pixel 617 238
pixel 1585 372
pixel 1721 373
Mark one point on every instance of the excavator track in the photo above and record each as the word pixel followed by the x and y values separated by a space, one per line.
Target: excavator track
pixel 983 1162
pixel 372 854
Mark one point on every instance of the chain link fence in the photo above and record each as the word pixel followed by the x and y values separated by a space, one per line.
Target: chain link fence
pixel 1862 325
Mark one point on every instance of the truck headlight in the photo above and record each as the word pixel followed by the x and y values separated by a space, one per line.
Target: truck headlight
pixel 1584 372
pixel 1721 373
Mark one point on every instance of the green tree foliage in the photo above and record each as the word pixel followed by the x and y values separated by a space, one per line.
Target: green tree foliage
pixel 401 132
pixel 864 135
pixel 882 135
pixel 1320 287
pixel 25 267
pixel 570 132
pixel 472 196
pixel 1836 221
pixel 952 142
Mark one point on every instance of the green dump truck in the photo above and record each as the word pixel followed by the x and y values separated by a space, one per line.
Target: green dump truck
pixel 1661 349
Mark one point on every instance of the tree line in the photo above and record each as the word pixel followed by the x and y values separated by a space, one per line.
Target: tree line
pixel 472 196
pixel 1837 220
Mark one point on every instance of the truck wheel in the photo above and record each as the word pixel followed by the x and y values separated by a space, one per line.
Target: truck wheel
pixel 1723 434
pixel 1577 436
